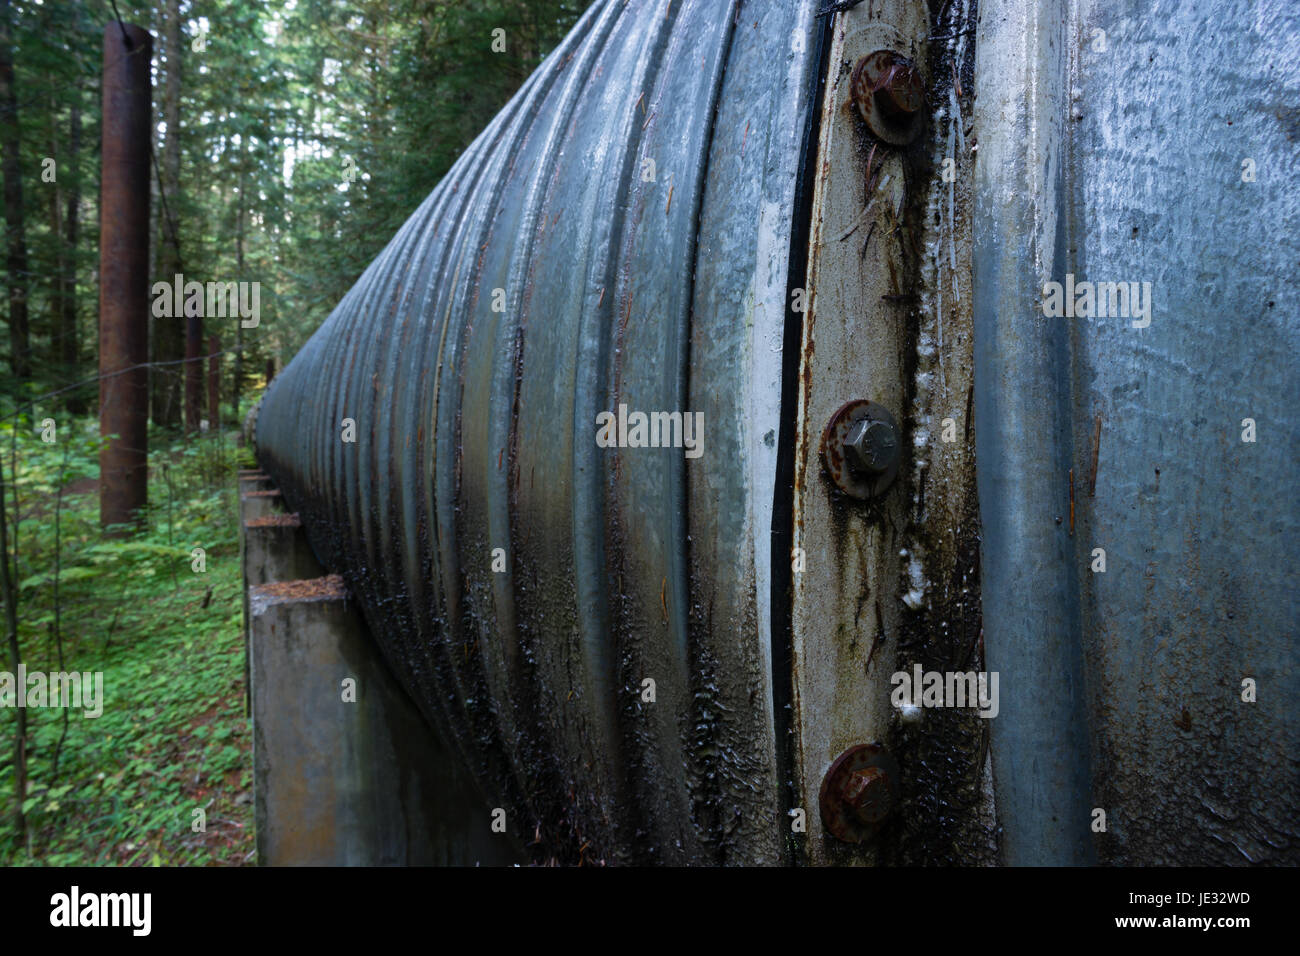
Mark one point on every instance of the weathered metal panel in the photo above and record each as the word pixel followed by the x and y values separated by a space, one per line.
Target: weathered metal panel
pixel 618 235
pixel 1112 145
pixel 739 312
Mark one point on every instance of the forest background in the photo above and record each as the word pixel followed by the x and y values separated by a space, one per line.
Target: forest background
pixel 291 139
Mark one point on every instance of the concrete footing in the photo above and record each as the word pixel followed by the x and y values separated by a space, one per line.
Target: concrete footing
pixel 346 770
pixel 276 549
pixel 259 503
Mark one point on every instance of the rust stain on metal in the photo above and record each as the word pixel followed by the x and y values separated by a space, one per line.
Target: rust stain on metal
pixel 970 398
pixel 878 639
pixel 329 587
pixel 275 521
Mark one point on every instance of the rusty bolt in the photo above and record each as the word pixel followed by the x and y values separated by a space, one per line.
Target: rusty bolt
pixel 859 791
pixel 859 449
pixel 889 92
pixel 871 447
pixel 868 795
pixel 903 94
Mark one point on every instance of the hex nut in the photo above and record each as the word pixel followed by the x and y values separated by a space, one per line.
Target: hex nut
pixel 871 446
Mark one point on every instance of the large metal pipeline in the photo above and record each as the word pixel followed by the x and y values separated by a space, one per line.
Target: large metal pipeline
pixel 604 626
pixel 588 624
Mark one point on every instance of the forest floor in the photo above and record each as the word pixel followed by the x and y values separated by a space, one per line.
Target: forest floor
pixel 162 623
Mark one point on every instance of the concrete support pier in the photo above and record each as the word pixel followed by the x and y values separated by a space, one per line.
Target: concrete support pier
pixel 346 771
pixel 276 549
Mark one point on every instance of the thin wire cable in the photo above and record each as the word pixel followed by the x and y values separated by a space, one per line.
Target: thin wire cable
pixel 29 403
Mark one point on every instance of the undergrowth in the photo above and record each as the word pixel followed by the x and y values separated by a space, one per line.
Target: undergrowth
pixel 162 623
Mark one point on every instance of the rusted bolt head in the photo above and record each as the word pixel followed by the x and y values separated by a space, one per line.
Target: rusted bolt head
pixel 903 93
pixel 868 795
pixel 860 449
pixel 871 447
pixel 859 792
pixel 889 92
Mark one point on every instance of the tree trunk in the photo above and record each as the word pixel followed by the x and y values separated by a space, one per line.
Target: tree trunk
pixel 15 237
pixel 193 367
pixel 214 383
pixel 54 192
pixel 69 335
pixel 239 270
pixel 169 332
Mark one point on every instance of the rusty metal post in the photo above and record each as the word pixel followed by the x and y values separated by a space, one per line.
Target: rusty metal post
pixel 214 382
pixel 124 275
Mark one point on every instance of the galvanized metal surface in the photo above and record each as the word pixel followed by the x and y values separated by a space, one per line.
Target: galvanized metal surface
pixel 1112 147
pixel 633 206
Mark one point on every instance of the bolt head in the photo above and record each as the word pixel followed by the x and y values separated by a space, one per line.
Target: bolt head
pixel 868 795
pixel 889 91
pixel 860 449
pixel 860 790
pixel 871 447
pixel 903 93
